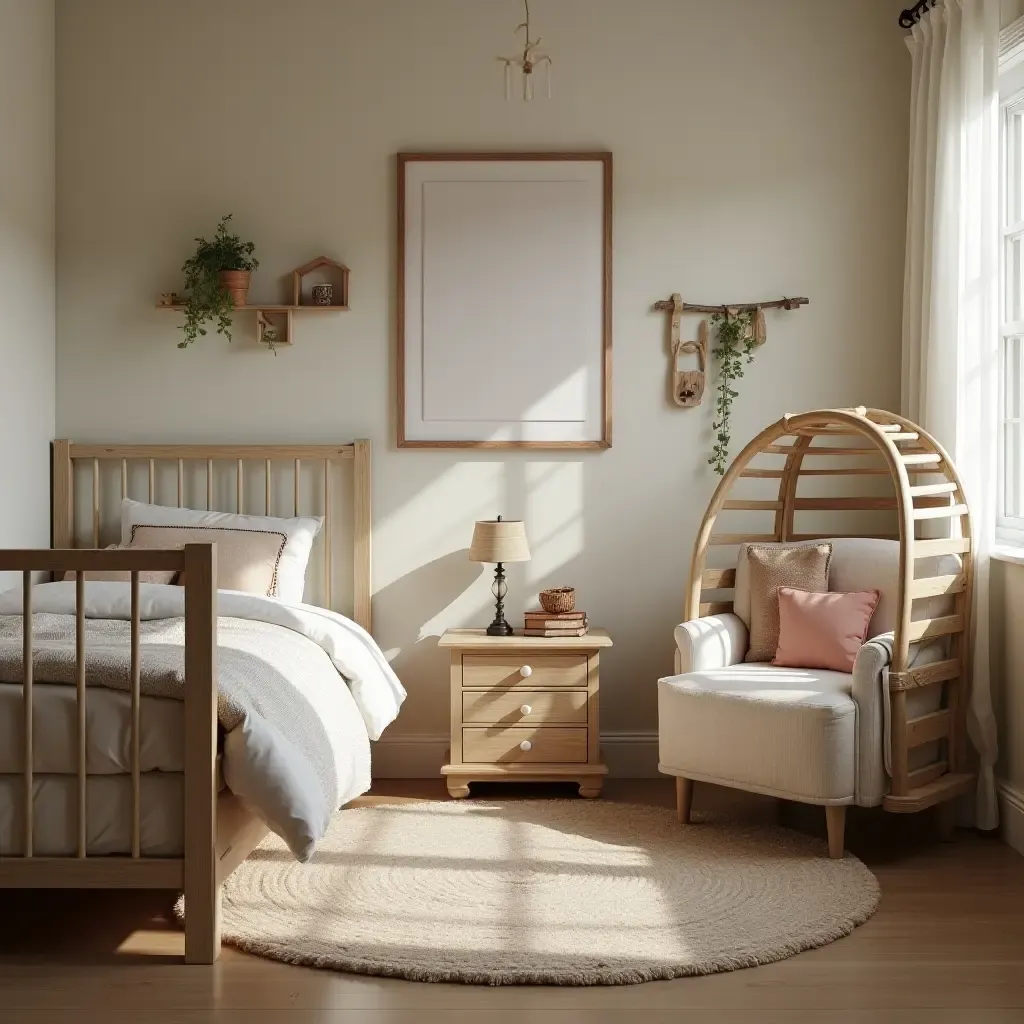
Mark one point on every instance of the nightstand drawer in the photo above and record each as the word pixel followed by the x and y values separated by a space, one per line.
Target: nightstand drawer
pixel 525 707
pixel 487 746
pixel 529 670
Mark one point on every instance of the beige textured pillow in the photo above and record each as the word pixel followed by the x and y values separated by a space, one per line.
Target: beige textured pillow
pixel 247 560
pixel 803 568
pixel 122 575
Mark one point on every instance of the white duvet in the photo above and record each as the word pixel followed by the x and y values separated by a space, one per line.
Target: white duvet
pixel 265 763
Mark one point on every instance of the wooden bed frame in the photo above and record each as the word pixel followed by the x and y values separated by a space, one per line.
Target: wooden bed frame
pixel 219 831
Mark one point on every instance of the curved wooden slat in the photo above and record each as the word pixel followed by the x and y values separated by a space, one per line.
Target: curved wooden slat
pixel 926 629
pixel 942 546
pixel 844 504
pixel 718 579
pixel 937 586
pixel 926 675
pixel 751 506
pixel 940 511
pixel 715 608
pixel 788 486
pixel 924 490
pixel 726 539
pixel 928 728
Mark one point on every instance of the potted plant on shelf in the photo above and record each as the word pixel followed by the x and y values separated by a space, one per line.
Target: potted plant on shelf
pixel 217 281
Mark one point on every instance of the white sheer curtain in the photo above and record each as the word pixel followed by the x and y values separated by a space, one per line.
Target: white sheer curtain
pixel 950 291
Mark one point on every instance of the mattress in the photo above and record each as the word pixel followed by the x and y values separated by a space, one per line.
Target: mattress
pixel 108 815
pixel 107 731
pixel 108 767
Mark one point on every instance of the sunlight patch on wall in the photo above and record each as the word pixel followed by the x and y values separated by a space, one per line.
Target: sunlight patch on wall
pixel 436 521
pixel 554 521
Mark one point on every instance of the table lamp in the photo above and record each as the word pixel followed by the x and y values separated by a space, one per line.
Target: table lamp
pixel 499 540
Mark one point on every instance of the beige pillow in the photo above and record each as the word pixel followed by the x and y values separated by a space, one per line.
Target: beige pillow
pixel 803 568
pixel 122 575
pixel 247 560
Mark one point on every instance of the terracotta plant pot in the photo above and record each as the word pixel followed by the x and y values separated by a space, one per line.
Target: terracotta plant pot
pixel 236 284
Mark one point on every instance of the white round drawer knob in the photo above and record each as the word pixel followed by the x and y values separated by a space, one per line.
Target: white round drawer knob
pixel 526 709
pixel 526 671
pixel 526 745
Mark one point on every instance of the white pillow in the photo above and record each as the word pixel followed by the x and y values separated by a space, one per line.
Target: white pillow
pixel 300 534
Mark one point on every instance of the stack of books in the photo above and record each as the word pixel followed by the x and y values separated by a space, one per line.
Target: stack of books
pixel 542 623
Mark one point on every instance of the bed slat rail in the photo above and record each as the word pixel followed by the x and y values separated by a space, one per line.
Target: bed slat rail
pixel 80 709
pixel 318 477
pixel 197 867
pixel 26 698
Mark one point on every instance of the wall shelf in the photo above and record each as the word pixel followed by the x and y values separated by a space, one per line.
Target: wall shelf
pixel 268 314
pixel 270 307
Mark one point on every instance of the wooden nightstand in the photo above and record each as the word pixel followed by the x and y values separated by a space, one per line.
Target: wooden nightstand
pixel 524 709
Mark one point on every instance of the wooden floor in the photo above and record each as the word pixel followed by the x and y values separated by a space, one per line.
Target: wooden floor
pixel 946 945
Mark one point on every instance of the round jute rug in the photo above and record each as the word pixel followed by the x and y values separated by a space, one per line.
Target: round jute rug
pixel 534 892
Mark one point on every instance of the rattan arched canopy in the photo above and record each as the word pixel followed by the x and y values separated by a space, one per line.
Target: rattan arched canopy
pixel 852 454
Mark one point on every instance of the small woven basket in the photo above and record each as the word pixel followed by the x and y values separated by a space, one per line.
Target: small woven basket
pixel 559 599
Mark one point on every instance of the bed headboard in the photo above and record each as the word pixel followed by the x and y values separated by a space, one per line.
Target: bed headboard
pixel 294 480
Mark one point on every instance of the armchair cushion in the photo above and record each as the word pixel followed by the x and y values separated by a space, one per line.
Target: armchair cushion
pixel 781 731
pixel 715 641
pixel 698 738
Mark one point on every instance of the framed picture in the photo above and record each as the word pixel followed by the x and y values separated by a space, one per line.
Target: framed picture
pixel 504 300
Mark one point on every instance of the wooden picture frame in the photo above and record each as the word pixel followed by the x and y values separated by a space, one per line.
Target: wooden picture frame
pixel 500 345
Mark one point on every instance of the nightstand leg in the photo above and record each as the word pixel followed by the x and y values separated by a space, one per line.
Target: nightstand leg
pixel 457 790
pixel 590 790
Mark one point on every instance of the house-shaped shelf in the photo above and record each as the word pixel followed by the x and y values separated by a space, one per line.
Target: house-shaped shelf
pixel 274 320
pixel 327 271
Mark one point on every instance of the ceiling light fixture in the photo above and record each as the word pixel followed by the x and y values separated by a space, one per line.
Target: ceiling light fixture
pixel 527 63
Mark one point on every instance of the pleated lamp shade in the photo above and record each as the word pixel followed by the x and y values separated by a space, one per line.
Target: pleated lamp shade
pixel 499 540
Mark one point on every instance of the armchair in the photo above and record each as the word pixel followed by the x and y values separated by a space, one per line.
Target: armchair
pixel 889 733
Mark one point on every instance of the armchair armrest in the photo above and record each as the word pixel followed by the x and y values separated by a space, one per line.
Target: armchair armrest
pixel 870 692
pixel 715 641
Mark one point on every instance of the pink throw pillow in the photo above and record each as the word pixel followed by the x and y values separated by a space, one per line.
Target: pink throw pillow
pixel 822 630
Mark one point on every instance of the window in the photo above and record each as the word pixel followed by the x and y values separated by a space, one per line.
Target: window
pixel 1010 525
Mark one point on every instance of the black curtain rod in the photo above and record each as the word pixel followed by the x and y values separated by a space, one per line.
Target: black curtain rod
pixel 912 15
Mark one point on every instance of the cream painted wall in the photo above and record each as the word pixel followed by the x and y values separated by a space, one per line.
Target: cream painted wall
pixel 27 334
pixel 760 149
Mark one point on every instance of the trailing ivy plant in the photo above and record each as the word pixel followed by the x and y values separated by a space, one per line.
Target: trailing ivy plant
pixel 207 300
pixel 734 346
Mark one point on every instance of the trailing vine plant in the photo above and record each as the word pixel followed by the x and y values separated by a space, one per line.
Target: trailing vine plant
pixel 735 342
pixel 208 300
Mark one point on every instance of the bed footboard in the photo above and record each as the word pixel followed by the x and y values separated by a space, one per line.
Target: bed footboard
pixel 196 872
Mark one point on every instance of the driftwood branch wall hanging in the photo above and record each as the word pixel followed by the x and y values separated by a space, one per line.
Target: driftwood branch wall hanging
pixel 687 385
pixel 739 330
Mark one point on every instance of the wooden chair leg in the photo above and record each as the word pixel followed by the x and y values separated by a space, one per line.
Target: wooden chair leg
pixel 684 799
pixel 835 822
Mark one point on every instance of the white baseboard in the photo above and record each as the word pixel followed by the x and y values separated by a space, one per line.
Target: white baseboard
pixel 629 755
pixel 1011 815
